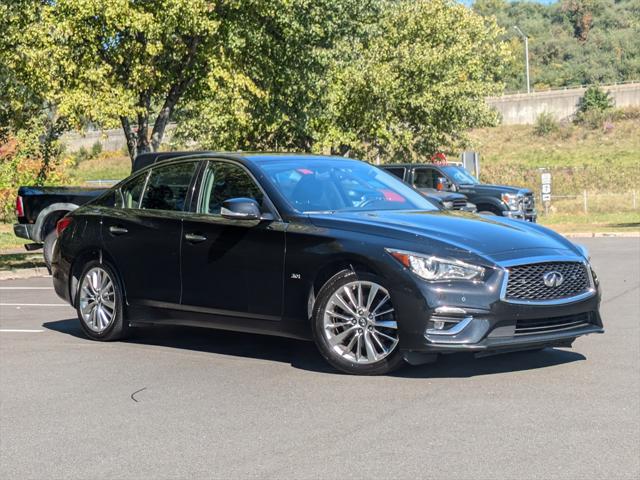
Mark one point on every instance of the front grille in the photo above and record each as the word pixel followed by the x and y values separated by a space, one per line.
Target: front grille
pixel 550 325
pixel 459 204
pixel 526 281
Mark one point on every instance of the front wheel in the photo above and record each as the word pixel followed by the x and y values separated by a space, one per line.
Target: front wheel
pixel 99 303
pixel 355 326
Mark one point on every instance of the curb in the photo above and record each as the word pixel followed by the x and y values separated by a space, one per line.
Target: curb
pixel 24 273
pixel 601 235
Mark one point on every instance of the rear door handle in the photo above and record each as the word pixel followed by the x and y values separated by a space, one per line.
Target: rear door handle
pixel 194 237
pixel 118 230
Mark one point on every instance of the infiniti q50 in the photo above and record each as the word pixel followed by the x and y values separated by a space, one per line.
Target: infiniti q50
pixel 321 248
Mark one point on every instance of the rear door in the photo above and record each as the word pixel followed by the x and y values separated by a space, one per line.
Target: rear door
pixel 232 268
pixel 142 236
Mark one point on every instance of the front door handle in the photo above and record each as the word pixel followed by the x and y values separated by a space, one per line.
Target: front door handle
pixel 118 230
pixel 194 237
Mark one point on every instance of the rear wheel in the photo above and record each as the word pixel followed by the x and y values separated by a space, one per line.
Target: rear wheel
pixel 354 325
pixel 99 303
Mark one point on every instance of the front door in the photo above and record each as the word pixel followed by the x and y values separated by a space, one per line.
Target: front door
pixel 142 234
pixel 232 268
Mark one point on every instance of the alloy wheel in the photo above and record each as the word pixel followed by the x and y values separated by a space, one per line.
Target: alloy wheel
pixel 97 300
pixel 359 322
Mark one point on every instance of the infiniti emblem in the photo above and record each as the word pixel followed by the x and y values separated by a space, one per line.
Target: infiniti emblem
pixel 553 279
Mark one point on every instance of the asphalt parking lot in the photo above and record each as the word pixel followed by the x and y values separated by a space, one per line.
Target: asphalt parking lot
pixel 197 403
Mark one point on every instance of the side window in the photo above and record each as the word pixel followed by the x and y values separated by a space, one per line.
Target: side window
pixel 107 199
pixel 426 178
pixel 397 171
pixel 168 186
pixel 224 181
pixel 131 192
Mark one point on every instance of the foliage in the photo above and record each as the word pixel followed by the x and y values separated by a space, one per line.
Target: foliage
pixel 595 99
pixel 276 103
pixel 546 124
pixel 28 112
pixel 571 42
pixel 415 82
pixel 21 164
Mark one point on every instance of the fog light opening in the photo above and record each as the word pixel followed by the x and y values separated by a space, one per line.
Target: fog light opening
pixel 438 325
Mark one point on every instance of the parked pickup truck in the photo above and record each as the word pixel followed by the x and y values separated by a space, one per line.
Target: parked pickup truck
pixel 501 200
pixel 39 208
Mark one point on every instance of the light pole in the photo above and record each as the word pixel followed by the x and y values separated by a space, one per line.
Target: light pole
pixel 526 55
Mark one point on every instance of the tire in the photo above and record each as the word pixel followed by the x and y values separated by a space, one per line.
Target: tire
pixel 488 212
pixel 337 337
pixel 47 249
pixel 106 288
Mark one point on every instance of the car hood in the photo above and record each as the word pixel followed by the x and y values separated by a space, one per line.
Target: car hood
pixel 487 188
pixel 495 238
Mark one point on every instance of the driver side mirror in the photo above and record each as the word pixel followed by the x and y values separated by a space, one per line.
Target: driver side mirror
pixel 241 209
pixel 444 184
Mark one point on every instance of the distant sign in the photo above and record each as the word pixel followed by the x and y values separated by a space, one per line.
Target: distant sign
pixel 546 186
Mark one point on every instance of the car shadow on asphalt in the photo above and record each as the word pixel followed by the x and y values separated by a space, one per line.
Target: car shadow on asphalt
pixel 304 355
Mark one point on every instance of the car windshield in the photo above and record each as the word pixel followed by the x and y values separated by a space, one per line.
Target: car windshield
pixel 460 175
pixel 330 185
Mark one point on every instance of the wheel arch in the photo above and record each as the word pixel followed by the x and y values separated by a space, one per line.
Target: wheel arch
pixel 490 204
pixel 87 255
pixel 48 218
pixel 331 268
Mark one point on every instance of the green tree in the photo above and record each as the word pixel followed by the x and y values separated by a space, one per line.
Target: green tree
pixel 276 104
pixel 134 63
pixel 415 83
pixel 28 112
pixel 571 42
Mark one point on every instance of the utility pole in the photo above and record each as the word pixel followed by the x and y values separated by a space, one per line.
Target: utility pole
pixel 526 55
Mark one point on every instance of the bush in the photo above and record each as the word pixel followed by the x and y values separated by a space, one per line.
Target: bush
pixel 21 163
pixel 545 125
pixel 595 99
pixel 96 149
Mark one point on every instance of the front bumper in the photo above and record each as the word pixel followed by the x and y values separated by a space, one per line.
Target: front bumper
pixel 23 230
pixel 463 317
pixel 527 215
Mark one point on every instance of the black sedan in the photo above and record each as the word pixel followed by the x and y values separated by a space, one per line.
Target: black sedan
pixel 321 248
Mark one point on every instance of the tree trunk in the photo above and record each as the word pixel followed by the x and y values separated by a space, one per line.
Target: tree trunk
pixel 132 144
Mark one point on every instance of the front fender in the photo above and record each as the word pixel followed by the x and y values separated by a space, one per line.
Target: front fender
pixel 490 201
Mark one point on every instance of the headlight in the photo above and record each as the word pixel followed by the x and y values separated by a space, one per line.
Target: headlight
pixel 512 200
pixel 447 205
pixel 434 268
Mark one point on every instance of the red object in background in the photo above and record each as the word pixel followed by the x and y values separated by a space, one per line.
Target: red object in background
pixel 392 196
pixel 63 223
pixel 305 171
pixel 19 207
pixel 439 158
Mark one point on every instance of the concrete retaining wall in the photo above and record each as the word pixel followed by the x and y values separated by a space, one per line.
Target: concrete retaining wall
pixel 524 108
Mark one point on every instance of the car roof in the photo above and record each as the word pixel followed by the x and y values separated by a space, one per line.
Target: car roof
pixel 145 159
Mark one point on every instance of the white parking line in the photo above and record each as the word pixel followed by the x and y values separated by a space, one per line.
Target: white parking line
pixel 34 305
pixel 26 288
pixel 17 330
